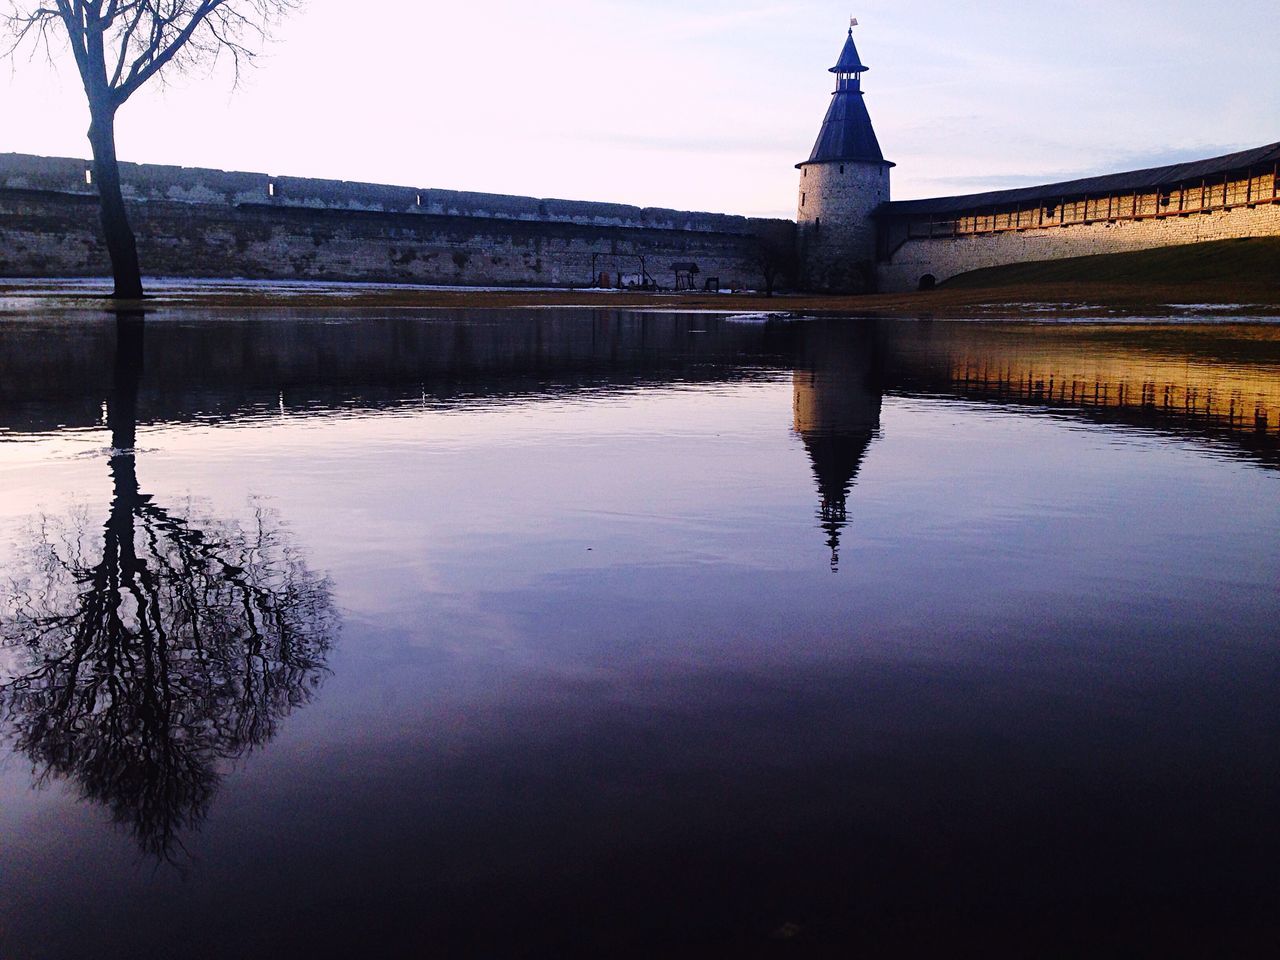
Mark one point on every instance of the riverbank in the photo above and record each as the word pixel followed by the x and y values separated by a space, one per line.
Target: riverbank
pixel 1023 300
pixel 1227 279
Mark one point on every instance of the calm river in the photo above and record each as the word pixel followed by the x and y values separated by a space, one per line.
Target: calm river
pixel 573 633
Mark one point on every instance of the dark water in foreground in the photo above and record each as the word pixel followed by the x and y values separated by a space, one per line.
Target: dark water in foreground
pixel 570 633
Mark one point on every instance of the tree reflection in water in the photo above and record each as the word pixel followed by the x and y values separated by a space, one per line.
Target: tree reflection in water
pixel 149 658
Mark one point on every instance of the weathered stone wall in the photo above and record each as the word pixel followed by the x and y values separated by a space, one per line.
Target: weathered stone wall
pixel 946 257
pixel 52 235
pixel 209 223
pixel 195 222
pixel 836 233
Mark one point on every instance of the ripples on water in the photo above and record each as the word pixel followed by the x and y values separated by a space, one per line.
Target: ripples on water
pixel 607 634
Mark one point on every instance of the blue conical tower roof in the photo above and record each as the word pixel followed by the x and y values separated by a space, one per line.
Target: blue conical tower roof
pixel 847 134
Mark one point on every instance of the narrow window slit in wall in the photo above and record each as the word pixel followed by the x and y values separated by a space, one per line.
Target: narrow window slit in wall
pixel 419 200
pixel 271 189
pixel 88 177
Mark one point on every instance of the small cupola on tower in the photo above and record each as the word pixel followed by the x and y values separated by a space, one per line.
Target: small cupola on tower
pixel 842 184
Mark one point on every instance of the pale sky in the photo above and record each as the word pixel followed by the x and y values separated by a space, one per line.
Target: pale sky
pixel 696 104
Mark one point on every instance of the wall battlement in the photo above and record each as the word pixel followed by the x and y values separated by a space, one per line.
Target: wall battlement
pixel 155 182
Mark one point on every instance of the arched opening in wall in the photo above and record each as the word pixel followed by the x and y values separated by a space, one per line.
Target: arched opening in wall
pixel 928 282
pixel 817 225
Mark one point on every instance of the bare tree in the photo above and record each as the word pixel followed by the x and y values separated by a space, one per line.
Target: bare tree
pixel 118 46
pixel 775 255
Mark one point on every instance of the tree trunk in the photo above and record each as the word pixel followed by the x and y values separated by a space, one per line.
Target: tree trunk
pixel 770 274
pixel 121 245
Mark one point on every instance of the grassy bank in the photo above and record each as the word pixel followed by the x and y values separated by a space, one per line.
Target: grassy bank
pixel 1248 263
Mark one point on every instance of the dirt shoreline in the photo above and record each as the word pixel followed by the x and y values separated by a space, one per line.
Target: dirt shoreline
pixel 1220 299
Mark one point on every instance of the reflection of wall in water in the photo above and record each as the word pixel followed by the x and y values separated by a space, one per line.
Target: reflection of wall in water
pixel 218 369
pixel 1220 380
pixel 1224 398
pixel 837 399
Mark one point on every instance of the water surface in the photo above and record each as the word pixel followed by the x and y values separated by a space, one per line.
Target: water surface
pixel 608 634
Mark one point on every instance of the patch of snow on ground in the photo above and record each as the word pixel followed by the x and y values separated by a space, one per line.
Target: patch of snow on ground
pixel 1045 307
pixel 757 317
pixel 1214 307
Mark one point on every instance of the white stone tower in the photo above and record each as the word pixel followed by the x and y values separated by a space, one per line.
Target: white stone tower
pixel 842 184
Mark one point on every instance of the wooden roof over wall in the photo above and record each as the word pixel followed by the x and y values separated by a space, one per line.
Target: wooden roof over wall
pixel 1115 183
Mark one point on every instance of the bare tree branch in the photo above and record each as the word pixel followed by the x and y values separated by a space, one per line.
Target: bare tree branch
pixel 145 37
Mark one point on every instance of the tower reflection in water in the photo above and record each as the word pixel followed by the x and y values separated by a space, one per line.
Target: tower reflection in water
pixel 837 400
pixel 149 655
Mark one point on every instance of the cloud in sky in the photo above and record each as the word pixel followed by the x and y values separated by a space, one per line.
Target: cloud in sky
pixel 701 104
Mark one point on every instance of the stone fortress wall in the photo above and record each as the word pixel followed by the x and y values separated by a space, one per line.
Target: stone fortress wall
pixel 211 223
pixel 919 243
pixel 944 258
